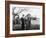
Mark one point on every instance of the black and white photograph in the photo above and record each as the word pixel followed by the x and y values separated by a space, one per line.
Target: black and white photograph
pixel 25 18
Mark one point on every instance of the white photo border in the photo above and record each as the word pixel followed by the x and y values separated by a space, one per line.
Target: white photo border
pixel 25 31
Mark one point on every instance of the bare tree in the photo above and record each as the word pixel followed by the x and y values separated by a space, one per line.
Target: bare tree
pixel 19 11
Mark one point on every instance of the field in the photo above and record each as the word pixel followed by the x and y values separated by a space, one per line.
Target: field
pixel 32 27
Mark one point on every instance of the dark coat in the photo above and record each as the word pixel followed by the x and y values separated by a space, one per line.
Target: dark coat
pixel 22 20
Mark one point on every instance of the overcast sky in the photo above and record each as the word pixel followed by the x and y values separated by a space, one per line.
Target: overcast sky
pixel 35 11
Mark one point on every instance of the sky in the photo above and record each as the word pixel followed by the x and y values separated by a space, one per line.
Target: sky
pixel 35 11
